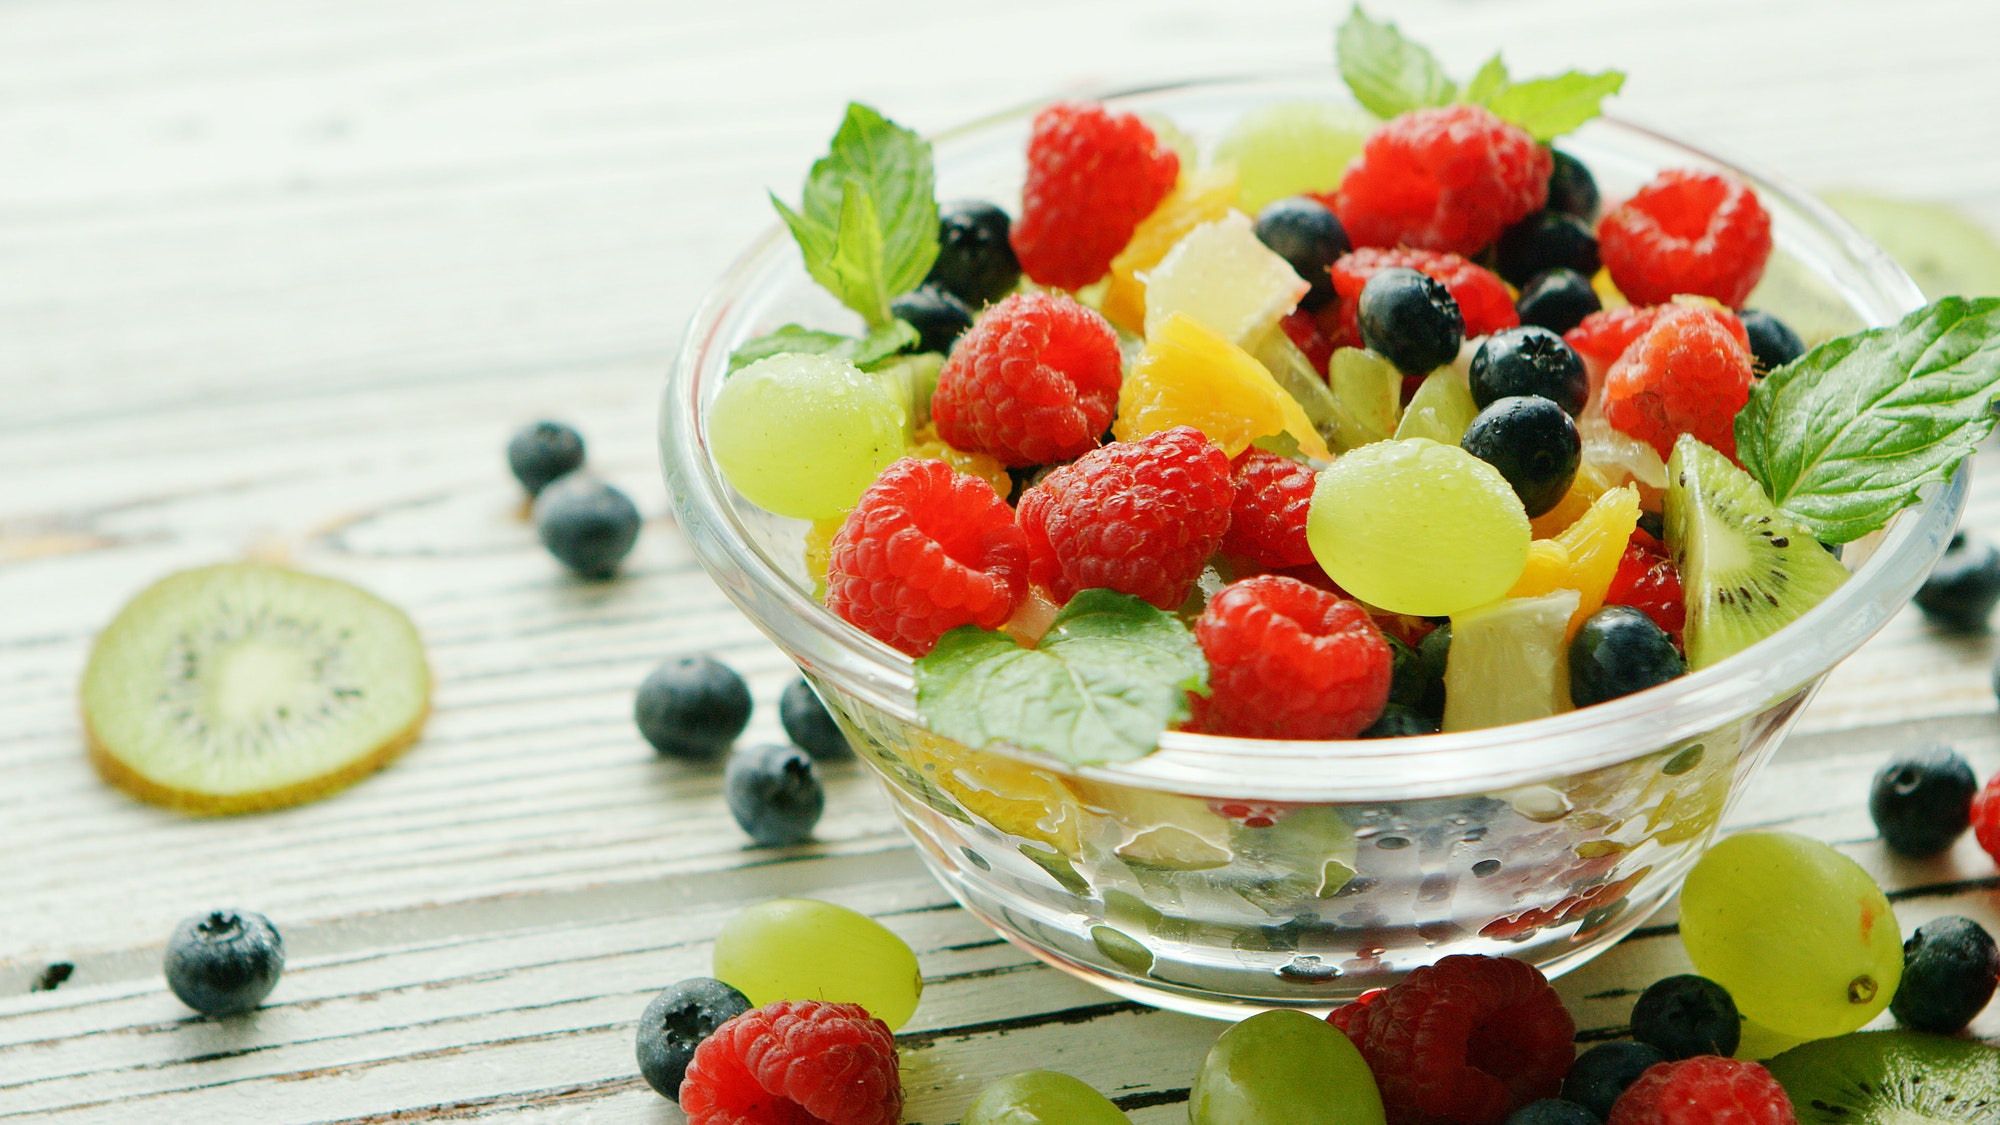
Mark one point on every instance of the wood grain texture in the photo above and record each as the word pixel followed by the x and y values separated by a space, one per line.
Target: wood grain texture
pixel 280 277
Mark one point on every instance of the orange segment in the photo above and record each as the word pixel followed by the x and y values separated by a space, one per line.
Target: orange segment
pixel 1200 197
pixel 1585 556
pixel 1591 482
pixel 1191 375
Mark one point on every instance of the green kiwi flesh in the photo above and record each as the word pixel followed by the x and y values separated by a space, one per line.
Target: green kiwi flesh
pixel 249 686
pixel 1944 249
pixel 1891 1078
pixel 1746 569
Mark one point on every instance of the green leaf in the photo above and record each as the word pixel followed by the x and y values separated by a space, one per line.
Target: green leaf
pixel 1111 674
pixel 1549 107
pixel 1491 79
pixel 863 352
pixel 1844 437
pixel 1388 73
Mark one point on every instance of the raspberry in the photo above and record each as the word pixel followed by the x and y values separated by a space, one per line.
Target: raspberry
pixel 925 550
pixel 1092 175
pixel 1267 521
pixel 1034 381
pixel 1686 374
pixel 1704 1090
pixel 1482 297
pixel 1986 817
pixel 1139 517
pixel 1447 179
pixel 1463 1042
pixel 1288 661
pixel 1250 814
pixel 795 1062
pixel 1686 232
pixel 1305 331
pixel 1648 581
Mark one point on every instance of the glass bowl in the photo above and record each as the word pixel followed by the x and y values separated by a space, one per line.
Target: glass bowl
pixel 1221 876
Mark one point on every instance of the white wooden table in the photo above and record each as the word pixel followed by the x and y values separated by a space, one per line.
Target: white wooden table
pixel 280 277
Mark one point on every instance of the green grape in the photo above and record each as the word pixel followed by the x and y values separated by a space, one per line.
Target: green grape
pixel 1440 410
pixel 802 949
pixel 1799 934
pixel 1042 1097
pixel 1292 147
pixel 804 435
pixel 1413 526
pixel 1284 1067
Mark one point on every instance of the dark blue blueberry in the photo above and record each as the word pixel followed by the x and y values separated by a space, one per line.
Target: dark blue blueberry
pixel 1654 524
pixel 1552 1111
pixel 1400 721
pixel 1557 300
pixel 1772 342
pixel 939 318
pixel 1600 1074
pixel 692 707
pixel 1921 801
pixel 774 793
pixel 1533 442
pixel 1407 675
pixel 1687 1015
pixel 1528 361
pixel 1619 651
pixel 1545 240
pixel 808 723
pixel 676 1022
pixel 1949 969
pixel 1411 320
pixel 1306 234
pixel 587 525
pixel 1960 594
pixel 1572 188
pixel 975 261
pixel 225 961
pixel 1434 650
pixel 541 452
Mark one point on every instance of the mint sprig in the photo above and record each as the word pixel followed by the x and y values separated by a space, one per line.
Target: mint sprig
pixel 1845 436
pixel 1111 674
pixel 864 352
pixel 868 222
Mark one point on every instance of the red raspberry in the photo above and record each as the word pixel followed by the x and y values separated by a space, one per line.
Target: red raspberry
pixel 1139 517
pixel 1986 817
pixel 1267 521
pixel 1288 661
pixel 1648 581
pixel 1687 374
pixel 1305 331
pixel 1033 382
pixel 1704 1090
pixel 1686 232
pixel 1443 179
pixel 1482 297
pixel 1092 175
pixel 1603 336
pixel 795 1062
pixel 925 550
pixel 1463 1042
pixel 1251 814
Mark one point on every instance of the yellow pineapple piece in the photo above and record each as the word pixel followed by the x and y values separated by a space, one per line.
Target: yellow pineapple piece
pixel 1191 375
pixel 1585 556
pixel 1223 276
pixel 985 466
pixel 819 551
pixel 1200 197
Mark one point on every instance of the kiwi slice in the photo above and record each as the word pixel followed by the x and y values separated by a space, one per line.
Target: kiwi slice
pixel 251 686
pixel 1891 1078
pixel 1945 250
pixel 1746 569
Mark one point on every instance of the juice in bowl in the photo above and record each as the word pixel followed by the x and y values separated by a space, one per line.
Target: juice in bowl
pixel 1054 772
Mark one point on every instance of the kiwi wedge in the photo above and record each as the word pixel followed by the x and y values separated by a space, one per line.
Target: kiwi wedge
pixel 1891 1078
pixel 250 686
pixel 1746 569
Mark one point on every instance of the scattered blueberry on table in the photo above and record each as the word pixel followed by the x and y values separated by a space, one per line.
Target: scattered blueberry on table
pixel 675 1023
pixel 808 723
pixel 588 525
pixel 1687 1015
pixel 543 451
pixel 1950 966
pixel 774 793
pixel 692 707
pixel 1921 801
pixel 1961 592
pixel 224 962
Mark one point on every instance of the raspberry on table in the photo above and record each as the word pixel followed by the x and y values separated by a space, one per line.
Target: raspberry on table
pixel 1986 817
pixel 1482 297
pixel 1267 520
pixel 1034 381
pixel 1092 175
pixel 1687 231
pixel 1702 1091
pixel 1139 517
pixel 1288 661
pixel 1448 179
pixel 1648 581
pixel 1464 1041
pixel 1687 374
pixel 925 550
pixel 795 1062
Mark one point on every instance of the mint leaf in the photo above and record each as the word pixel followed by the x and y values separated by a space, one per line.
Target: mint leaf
pixel 1388 73
pixel 1844 436
pixel 1549 107
pixel 1111 674
pixel 863 352
pixel 1491 79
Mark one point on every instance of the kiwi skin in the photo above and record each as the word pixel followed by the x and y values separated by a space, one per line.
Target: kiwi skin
pixel 1891 1078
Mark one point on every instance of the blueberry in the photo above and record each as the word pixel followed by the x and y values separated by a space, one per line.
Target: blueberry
pixel 1654 524
pixel 1552 1111
pixel 1411 320
pixel 808 723
pixel 541 452
pixel 1687 1015
pixel 225 961
pixel 587 525
pixel 1434 650
pixel 1545 240
pixel 1619 651
pixel 975 261
pixel 774 793
pixel 939 318
pixel 1572 189
pixel 1303 232
pixel 1534 444
pixel 1400 721
pixel 1772 343
pixel 1960 594
pixel 1921 801
pixel 1600 1074
pixel 1529 361
pixel 676 1022
pixel 1557 300
pixel 692 707
pixel 1949 969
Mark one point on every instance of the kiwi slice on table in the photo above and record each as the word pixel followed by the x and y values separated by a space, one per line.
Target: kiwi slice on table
pixel 250 686
pixel 1746 569
pixel 1891 1078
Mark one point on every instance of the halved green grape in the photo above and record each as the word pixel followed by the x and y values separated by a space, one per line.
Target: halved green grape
pixel 1284 1067
pixel 1042 1097
pixel 1440 410
pixel 1367 393
pixel 1292 147
pixel 803 949
pixel 805 435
